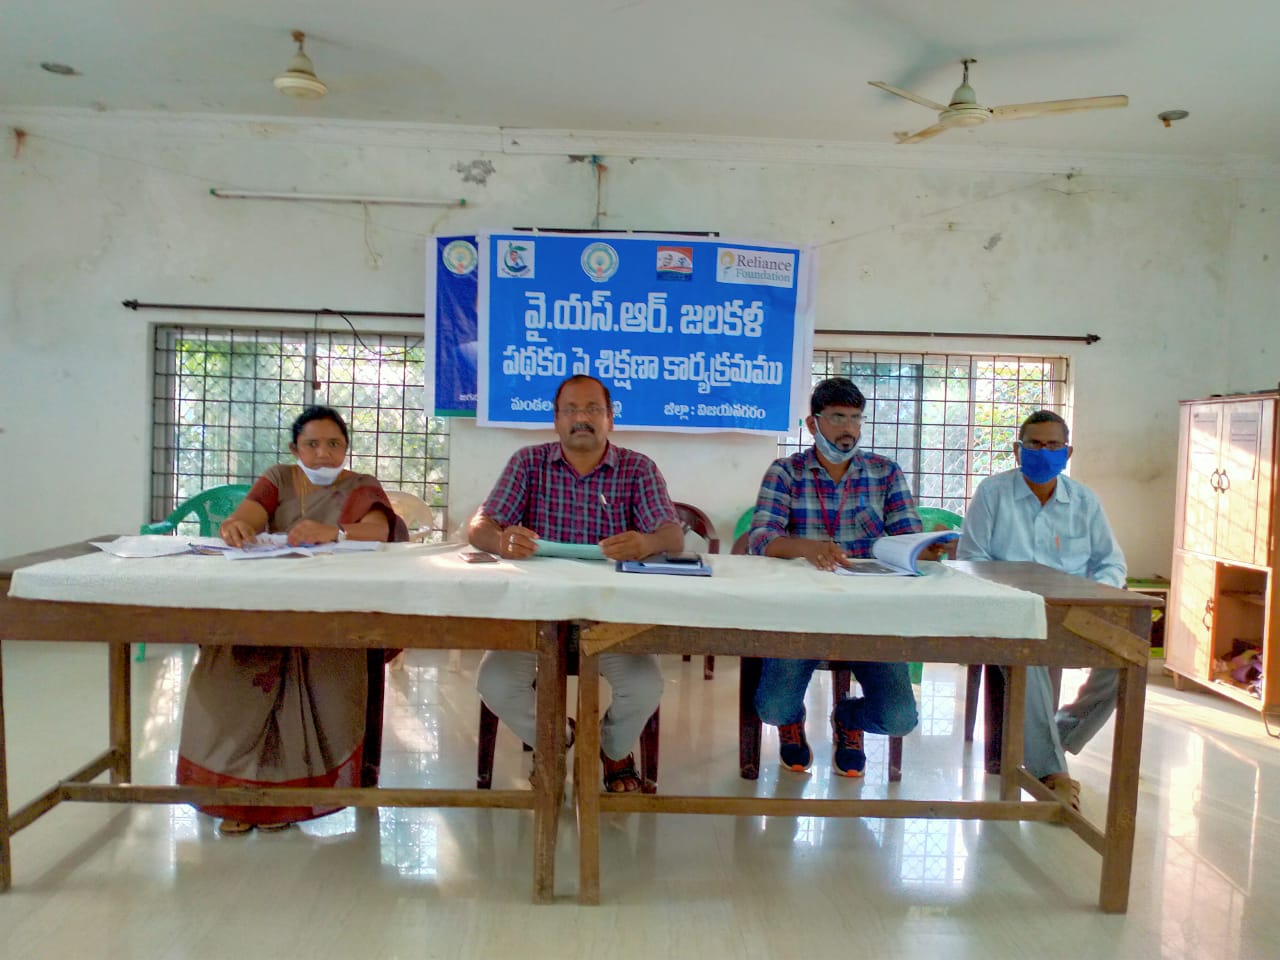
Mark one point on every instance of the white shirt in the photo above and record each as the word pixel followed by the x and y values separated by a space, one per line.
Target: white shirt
pixel 1069 532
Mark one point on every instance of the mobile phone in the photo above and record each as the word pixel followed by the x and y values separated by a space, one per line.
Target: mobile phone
pixel 693 559
pixel 478 556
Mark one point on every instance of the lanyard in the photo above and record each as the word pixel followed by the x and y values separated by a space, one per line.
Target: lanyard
pixel 822 502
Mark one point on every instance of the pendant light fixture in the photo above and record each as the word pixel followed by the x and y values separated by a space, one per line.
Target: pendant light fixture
pixel 300 79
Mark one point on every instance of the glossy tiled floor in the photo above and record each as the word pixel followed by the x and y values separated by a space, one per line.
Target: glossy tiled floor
pixel 109 881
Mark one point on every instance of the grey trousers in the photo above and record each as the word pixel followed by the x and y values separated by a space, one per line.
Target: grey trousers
pixel 505 681
pixel 1050 732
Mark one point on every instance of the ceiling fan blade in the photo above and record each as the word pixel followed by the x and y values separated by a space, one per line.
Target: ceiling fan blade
pixel 1025 111
pixel 919 135
pixel 908 95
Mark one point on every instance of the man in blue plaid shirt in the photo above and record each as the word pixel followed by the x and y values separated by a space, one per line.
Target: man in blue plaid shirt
pixel 826 504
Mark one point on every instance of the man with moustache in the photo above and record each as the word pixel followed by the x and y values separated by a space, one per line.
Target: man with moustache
pixel 581 489
pixel 1034 514
pixel 826 504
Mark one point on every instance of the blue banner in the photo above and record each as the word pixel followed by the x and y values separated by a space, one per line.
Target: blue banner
pixel 687 333
pixel 451 337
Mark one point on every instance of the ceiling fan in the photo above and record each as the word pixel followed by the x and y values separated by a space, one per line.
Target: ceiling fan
pixel 965 111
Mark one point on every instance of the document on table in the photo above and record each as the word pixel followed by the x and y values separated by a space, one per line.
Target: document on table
pixel 277 545
pixel 143 546
pixel 571 551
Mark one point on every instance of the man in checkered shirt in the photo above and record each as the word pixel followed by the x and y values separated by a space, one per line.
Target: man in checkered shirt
pixel 580 489
pixel 828 503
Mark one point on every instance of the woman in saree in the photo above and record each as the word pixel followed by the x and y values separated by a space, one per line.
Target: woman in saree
pixel 286 716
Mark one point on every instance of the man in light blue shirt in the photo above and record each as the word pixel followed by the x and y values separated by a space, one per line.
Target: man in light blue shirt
pixel 1035 514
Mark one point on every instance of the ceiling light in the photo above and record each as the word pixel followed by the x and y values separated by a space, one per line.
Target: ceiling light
pixel 1169 116
pixel 61 69
pixel 300 79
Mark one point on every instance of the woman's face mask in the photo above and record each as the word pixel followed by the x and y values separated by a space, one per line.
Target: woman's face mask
pixel 320 476
pixel 321 449
pixel 1041 466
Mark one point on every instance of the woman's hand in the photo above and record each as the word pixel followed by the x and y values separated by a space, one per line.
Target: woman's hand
pixel 306 532
pixel 236 532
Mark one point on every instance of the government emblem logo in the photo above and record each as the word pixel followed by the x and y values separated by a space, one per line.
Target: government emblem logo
pixel 459 257
pixel 599 261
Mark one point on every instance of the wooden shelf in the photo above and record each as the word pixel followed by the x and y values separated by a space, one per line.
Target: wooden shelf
pixel 1253 597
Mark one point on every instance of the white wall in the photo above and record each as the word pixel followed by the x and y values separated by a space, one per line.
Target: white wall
pixel 1169 270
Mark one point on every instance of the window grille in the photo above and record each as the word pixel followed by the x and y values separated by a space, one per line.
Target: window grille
pixel 947 420
pixel 224 400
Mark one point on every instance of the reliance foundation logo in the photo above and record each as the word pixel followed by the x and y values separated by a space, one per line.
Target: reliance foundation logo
pixel 761 268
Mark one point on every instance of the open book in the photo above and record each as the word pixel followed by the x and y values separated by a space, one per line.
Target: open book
pixel 897 556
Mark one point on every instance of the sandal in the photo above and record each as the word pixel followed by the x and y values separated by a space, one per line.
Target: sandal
pixel 1068 790
pixel 234 828
pixel 621 776
pixel 275 827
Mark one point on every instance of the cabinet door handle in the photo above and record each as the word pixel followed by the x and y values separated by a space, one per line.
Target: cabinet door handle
pixel 1207 620
pixel 1224 482
pixel 1213 480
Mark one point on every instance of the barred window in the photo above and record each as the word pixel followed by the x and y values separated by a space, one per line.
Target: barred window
pixel 947 420
pixel 225 398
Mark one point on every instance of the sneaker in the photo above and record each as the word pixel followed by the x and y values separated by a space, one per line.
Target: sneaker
pixel 794 748
pixel 849 759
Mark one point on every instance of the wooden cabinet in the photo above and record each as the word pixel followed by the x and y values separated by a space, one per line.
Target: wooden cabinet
pixel 1224 596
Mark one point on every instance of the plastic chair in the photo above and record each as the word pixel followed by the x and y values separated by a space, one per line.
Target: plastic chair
pixel 935 518
pixel 414 511
pixel 695 521
pixel 208 508
pixel 749 725
pixel 488 737
pixel 743 525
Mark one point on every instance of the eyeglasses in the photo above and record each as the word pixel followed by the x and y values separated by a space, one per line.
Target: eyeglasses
pixel 841 419
pixel 1041 445
pixel 592 410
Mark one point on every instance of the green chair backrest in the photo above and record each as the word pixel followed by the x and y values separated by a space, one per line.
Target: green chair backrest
pixel 208 508
pixel 932 517
pixel 744 522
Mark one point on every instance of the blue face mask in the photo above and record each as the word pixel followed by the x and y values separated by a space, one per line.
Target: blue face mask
pixel 830 451
pixel 1041 466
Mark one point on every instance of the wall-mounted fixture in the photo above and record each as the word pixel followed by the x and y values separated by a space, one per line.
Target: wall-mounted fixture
pixel 223 194
pixel 1169 116
pixel 300 79
pixel 61 69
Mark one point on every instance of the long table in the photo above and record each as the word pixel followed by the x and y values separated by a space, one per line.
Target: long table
pixel 1014 614
pixel 59 596
pixel 1085 625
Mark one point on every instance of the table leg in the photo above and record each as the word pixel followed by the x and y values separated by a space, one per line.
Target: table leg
pixel 1122 795
pixel 1015 708
pixel 121 723
pixel 587 778
pixel 6 868
pixel 548 760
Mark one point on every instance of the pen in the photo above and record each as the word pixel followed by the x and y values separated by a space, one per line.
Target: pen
pixel 1057 544
pixel 604 501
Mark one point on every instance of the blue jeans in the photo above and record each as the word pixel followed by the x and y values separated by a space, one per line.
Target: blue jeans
pixel 887 706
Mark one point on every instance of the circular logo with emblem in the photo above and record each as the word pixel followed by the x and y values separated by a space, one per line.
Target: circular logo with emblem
pixel 459 257
pixel 599 261
pixel 726 259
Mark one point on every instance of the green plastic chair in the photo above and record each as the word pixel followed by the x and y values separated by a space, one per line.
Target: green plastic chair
pixel 208 508
pixel 931 517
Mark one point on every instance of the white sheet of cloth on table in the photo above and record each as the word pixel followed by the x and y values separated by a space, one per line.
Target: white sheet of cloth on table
pixel 744 592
